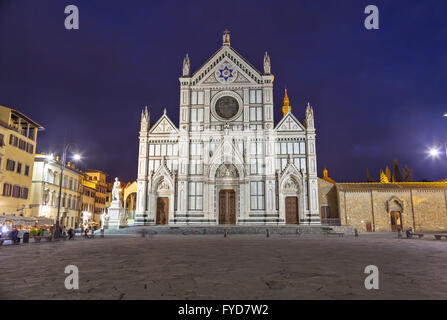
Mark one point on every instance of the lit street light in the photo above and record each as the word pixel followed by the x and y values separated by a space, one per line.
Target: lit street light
pixel 76 157
pixel 434 152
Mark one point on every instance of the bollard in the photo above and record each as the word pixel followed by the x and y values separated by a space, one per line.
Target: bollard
pixel 267 233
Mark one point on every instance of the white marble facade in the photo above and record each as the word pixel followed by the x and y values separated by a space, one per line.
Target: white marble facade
pixel 227 140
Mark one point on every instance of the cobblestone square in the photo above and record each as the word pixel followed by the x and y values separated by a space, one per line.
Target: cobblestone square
pixel 236 267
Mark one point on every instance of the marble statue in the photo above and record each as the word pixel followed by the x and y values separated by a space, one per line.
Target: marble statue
pixel 116 190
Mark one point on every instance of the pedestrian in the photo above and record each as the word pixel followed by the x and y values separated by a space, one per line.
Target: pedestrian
pixel 409 232
pixel 399 233
pixel 70 234
pixel 64 231
pixel 86 233
pixel 15 236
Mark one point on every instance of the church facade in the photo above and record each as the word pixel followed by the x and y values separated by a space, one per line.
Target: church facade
pixel 227 162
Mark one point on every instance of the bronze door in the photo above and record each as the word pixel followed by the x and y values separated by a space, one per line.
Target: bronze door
pixel 227 207
pixel 396 221
pixel 292 210
pixel 162 210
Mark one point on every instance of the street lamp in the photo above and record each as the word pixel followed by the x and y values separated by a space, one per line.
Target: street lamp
pixel 64 159
pixel 434 152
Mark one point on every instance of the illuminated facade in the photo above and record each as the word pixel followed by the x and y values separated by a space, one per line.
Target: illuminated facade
pixel 98 179
pixel 227 162
pixel 45 191
pixel 18 138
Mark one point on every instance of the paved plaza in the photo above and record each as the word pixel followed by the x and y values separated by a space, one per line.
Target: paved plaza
pixel 236 267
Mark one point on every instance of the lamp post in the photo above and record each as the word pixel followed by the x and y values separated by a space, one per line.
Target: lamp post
pixel 63 160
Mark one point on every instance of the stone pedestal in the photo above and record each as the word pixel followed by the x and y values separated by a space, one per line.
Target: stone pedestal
pixel 116 213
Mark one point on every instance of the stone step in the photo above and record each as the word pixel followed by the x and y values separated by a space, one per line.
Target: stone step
pixel 210 230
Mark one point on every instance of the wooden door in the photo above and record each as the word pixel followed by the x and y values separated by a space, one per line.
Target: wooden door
pixel 292 210
pixel 368 226
pixel 162 210
pixel 227 207
pixel 396 220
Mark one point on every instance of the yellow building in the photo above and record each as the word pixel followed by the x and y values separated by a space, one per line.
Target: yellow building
pixel 18 137
pixel 88 202
pixel 45 191
pixel 98 178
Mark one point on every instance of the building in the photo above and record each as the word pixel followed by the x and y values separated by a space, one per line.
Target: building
pixel 227 162
pixel 45 191
pixel 129 201
pixel 388 206
pixel 88 196
pixel 98 178
pixel 18 139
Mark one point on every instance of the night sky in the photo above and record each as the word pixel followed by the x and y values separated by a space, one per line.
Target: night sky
pixel 378 95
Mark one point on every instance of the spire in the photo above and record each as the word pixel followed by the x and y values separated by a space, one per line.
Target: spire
pixel 325 173
pixel 309 121
pixel 286 108
pixel 267 66
pixel 145 120
pixel 186 66
pixel 226 38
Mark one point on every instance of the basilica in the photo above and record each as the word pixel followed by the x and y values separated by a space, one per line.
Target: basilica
pixel 227 162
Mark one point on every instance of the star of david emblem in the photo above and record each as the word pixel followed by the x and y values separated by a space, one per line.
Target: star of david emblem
pixel 226 73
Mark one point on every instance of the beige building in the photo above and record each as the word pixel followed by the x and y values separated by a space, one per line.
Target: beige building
pixel 98 178
pixel 373 207
pixel 18 136
pixel 45 191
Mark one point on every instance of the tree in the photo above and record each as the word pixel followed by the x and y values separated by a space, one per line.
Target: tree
pixel 383 177
pixel 368 176
pixel 408 174
pixel 397 176
pixel 388 173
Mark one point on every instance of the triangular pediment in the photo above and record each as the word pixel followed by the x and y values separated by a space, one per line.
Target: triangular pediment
pixel 164 125
pixel 226 153
pixel 214 71
pixel 289 123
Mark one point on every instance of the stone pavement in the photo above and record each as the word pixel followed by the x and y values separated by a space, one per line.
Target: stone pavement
pixel 236 267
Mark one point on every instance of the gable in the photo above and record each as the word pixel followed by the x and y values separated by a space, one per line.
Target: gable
pixel 164 125
pixel 226 152
pixel 289 123
pixel 226 66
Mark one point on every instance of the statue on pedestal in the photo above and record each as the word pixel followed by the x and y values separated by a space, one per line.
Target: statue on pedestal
pixel 116 190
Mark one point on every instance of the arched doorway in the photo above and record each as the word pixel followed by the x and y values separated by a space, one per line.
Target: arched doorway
pixel 162 210
pixel 292 210
pixel 227 206
pixel 227 181
pixel 291 201
pixel 162 203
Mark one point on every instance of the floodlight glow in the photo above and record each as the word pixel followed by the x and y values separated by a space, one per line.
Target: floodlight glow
pixel 77 157
pixel 434 152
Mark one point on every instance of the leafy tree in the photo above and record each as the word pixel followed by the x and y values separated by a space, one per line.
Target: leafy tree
pixel 397 176
pixel 383 177
pixel 408 174
pixel 368 176
pixel 388 173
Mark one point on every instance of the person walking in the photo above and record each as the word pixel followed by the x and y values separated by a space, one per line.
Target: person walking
pixel 70 234
pixel 86 233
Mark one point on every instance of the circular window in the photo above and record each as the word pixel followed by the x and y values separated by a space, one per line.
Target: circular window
pixel 226 107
